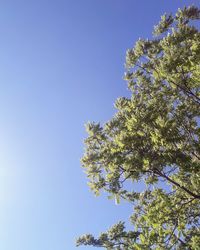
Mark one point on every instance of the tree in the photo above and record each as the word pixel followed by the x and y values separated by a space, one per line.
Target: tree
pixel 153 139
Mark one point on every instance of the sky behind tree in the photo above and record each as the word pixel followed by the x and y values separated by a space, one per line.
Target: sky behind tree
pixel 61 65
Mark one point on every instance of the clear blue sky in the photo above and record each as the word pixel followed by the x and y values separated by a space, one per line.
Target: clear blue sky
pixel 61 65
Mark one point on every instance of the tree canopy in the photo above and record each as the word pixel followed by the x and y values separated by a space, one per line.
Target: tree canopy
pixel 153 140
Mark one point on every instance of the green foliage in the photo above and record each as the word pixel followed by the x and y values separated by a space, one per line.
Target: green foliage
pixel 153 140
pixel 112 239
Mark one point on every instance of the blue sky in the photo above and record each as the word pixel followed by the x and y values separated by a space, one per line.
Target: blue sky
pixel 61 65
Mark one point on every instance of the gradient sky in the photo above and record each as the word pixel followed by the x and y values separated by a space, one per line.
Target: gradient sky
pixel 61 65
